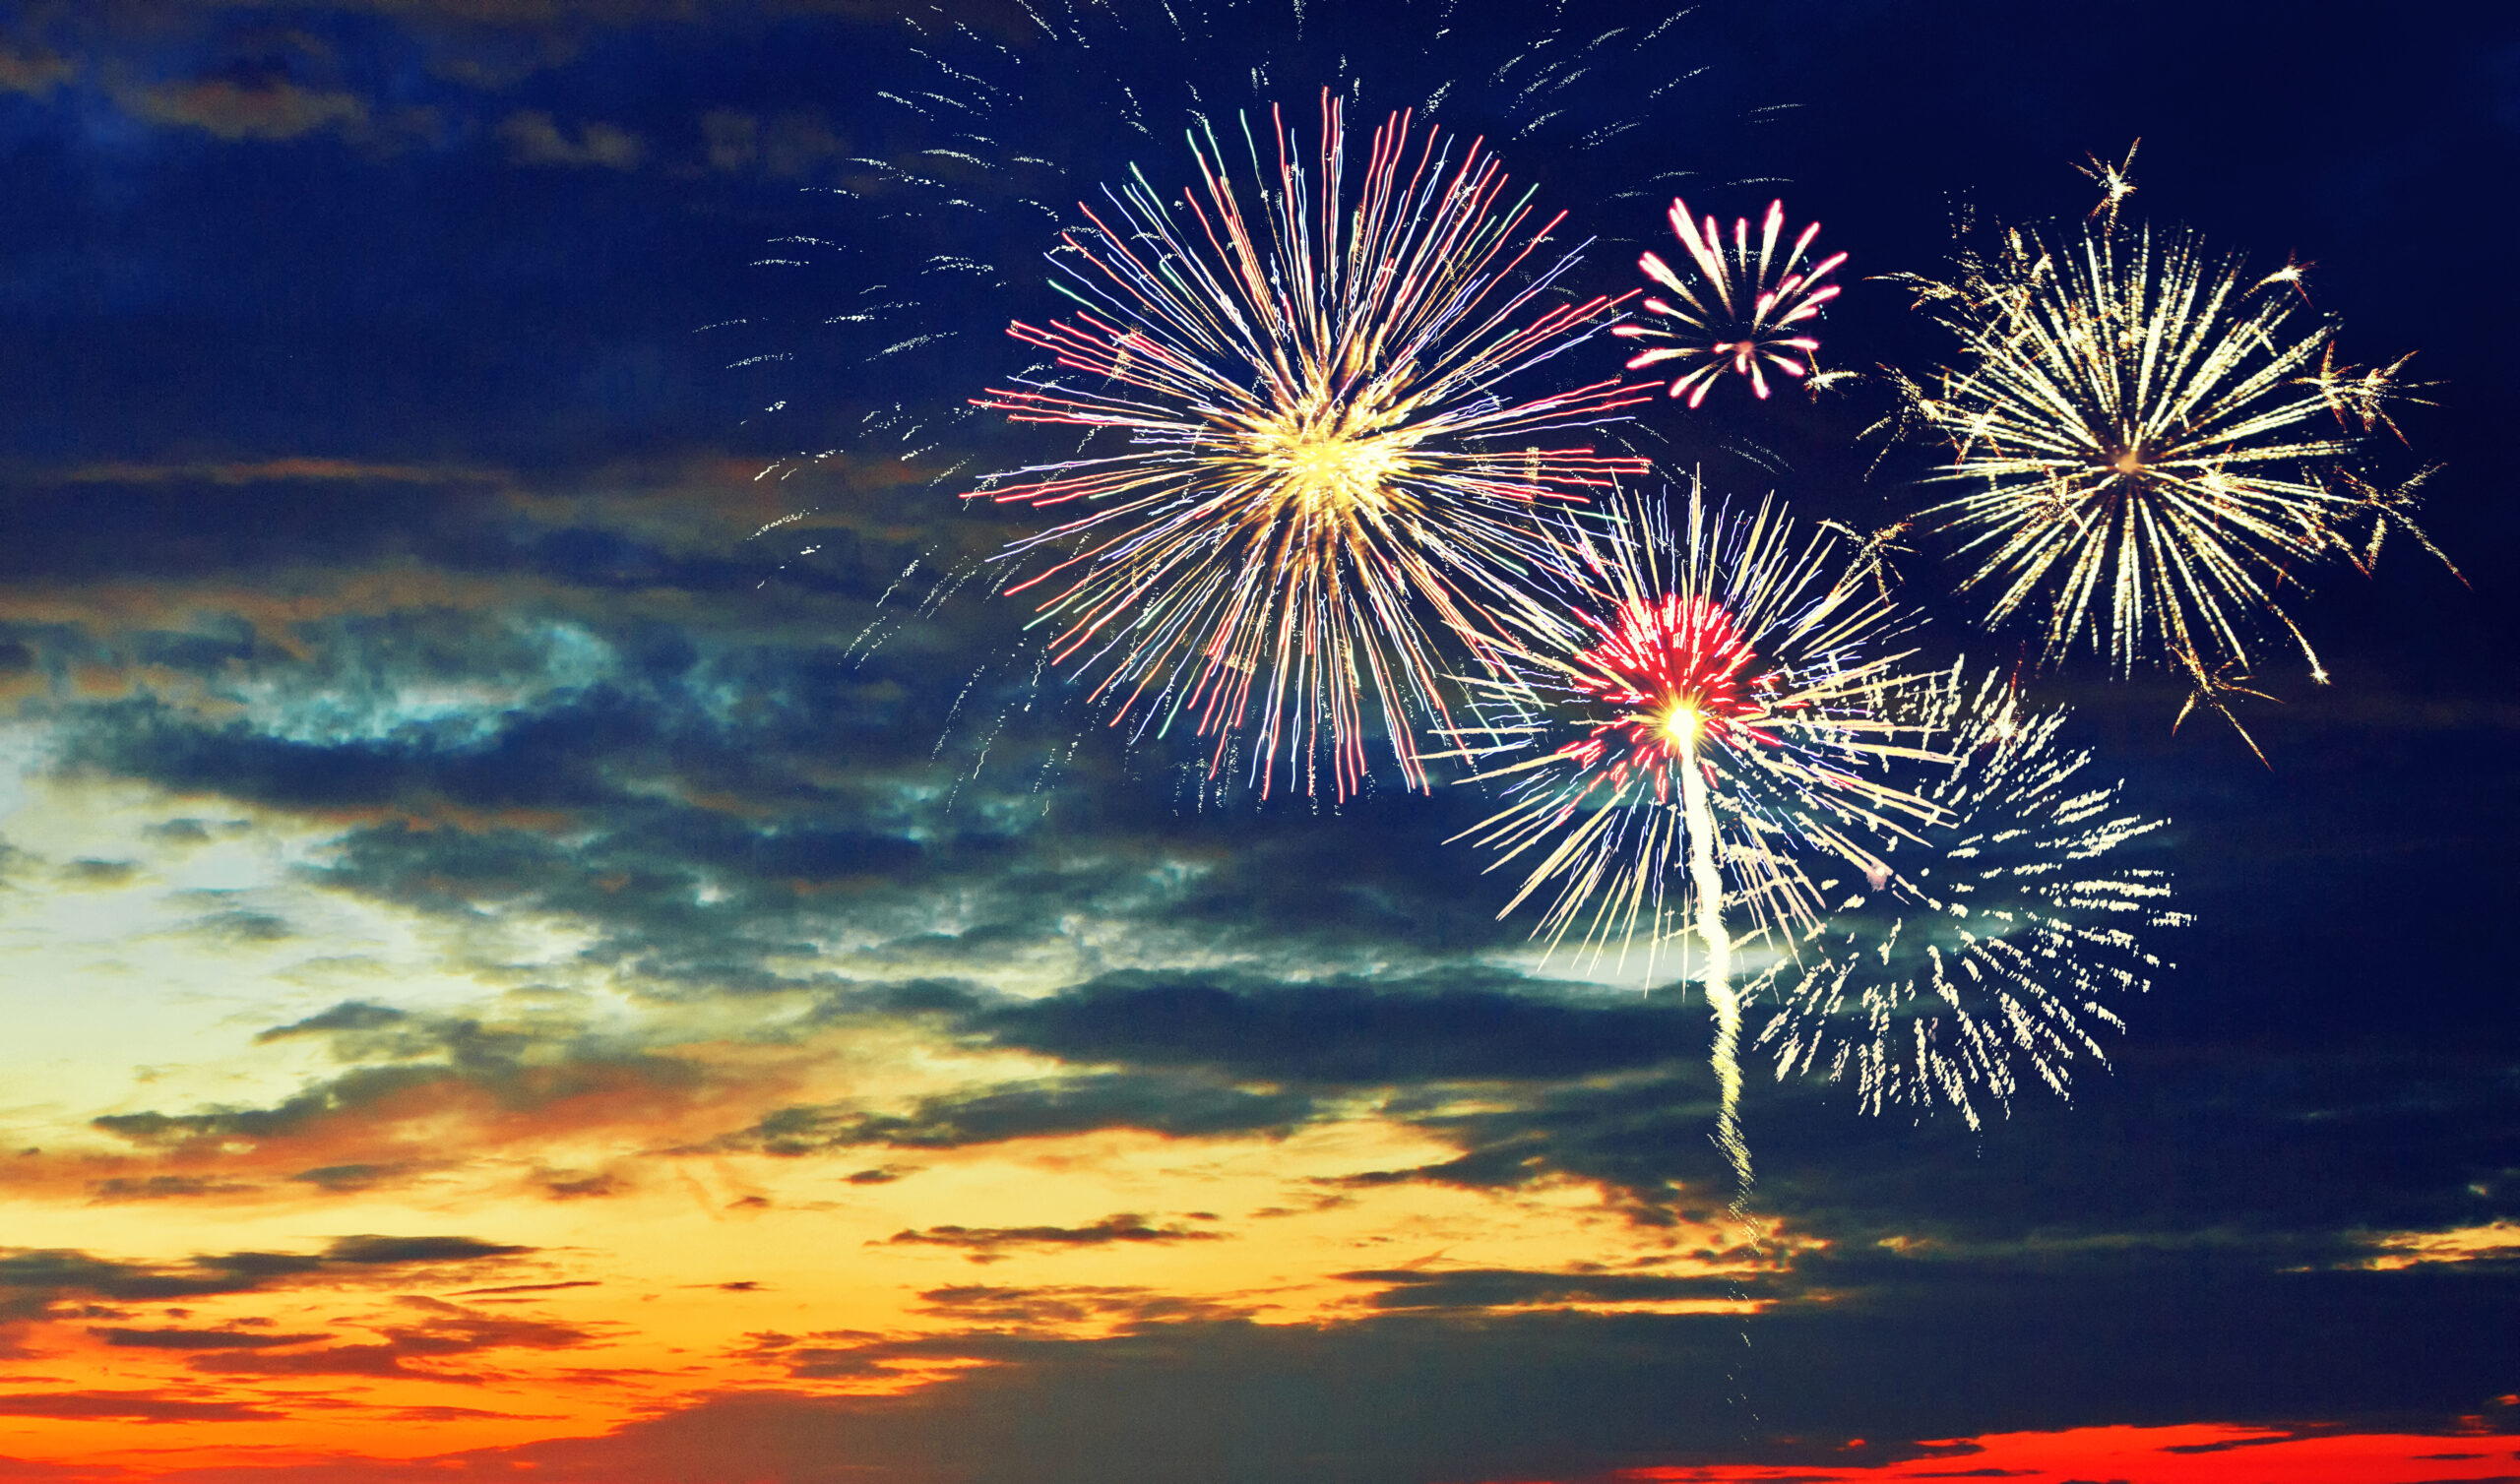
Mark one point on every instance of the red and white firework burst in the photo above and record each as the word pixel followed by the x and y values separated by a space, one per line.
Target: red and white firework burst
pixel 1717 641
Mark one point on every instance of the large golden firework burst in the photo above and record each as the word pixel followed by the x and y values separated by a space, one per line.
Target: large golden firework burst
pixel 1325 489
pixel 2157 449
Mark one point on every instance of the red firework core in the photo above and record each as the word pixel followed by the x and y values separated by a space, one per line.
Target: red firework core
pixel 1671 670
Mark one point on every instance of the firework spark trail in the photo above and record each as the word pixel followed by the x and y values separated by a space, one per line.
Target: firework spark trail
pixel 1706 886
pixel 2144 430
pixel 1325 482
pixel 1735 317
pixel 2010 932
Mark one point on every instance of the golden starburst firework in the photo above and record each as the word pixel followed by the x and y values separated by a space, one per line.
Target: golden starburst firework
pixel 1327 486
pixel 2144 436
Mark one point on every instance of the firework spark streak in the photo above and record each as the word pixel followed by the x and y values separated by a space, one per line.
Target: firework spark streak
pixel 1325 483
pixel 2148 438
pixel 1736 316
pixel 1709 714
pixel 2004 939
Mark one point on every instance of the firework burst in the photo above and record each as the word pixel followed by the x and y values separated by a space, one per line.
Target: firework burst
pixel 1709 717
pixel 1741 314
pixel 2157 448
pixel 1324 481
pixel 2003 943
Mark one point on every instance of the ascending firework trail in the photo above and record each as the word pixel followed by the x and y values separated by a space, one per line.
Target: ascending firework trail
pixel 1707 709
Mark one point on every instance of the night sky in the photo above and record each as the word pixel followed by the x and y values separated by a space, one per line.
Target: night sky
pixel 556 929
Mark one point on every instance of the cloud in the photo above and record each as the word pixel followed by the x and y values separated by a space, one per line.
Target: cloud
pixel 1506 1288
pixel 35 72
pixel 447 1332
pixel 534 139
pixel 33 1282
pixel 1457 1025
pixel 372 1251
pixel 133 1407
pixel 385 1120
pixel 118 1188
pixel 266 108
pixel 198 1340
pixel 1059 1304
pixel 298 467
pixel 1182 1107
pixel 349 1015
pixel 987 1244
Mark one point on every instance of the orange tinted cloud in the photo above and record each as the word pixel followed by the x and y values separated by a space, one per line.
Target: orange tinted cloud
pixel 536 138
pixel 231 110
pixel 33 72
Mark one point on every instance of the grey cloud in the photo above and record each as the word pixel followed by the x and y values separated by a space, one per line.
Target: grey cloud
pixel 199 1340
pixel 133 1407
pixel 988 1243
pixel 372 1251
pixel 1067 1302
pixel 1186 1107
pixel 33 1282
pixel 162 1188
pixel 1496 1288
pixel 349 1015
pixel 1458 1025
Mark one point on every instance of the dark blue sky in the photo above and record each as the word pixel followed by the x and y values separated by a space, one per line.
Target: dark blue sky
pixel 396 399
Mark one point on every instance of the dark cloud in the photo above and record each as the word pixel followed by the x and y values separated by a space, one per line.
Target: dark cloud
pixel 99 873
pixel 349 1015
pixel 369 1250
pixel 423 1349
pixel 340 1178
pixel 34 1282
pixel 133 1407
pixel 1065 1304
pixel 1462 1025
pixel 199 1340
pixel 987 1244
pixel 1185 1107
pixel 1505 1288
pixel 164 1188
